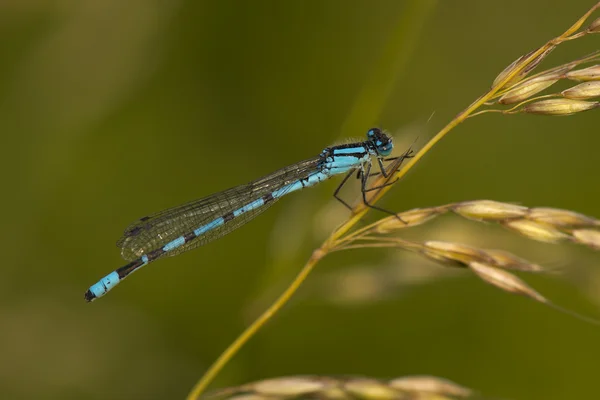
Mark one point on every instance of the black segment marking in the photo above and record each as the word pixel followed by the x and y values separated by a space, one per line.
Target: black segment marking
pixel 228 217
pixel 189 237
pixel 268 197
pixel 129 268
pixel 347 145
pixel 154 254
pixel 356 155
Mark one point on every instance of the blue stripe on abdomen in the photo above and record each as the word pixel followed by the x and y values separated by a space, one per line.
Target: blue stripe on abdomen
pixel 339 164
pixel 250 206
pixel 315 178
pixel 209 226
pixel 181 240
pixel 310 180
pixel 100 288
pixel 174 244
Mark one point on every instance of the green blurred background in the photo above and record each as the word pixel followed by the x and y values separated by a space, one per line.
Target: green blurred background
pixel 111 110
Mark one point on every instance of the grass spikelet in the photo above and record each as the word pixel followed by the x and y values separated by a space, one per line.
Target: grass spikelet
pixel 530 87
pixel 594 26
pixel 290 386
pixel 489 210
pixel 463 255
pixel 585 74
pixel 452 253
pixel 521 67
pixel 561 218
pixel 407 219
pixel 504 259
pixel 536 231
pixel 430 384
pixel 583 91
pixel 505 280
pixel 370 389
pixel 327 387
pixel 588 237
pixel 512 284
pixel 559 107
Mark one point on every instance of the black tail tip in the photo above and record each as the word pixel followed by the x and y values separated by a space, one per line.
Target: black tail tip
pixel 89 296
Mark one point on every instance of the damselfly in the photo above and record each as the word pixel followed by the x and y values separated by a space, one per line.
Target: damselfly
pixel 194 224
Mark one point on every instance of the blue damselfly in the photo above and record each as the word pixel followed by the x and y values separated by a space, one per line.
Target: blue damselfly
pixel 194 224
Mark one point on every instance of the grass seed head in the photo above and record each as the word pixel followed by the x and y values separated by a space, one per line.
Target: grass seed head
pixel 370 389
pixel 594 26
pixel 530 87
pixel 583 91
pixel 325 387
pixel 535 230
pixel 517 64
pixel 507 71
pixel 587 74
pixel 559 106
pixel 287 386
pixel 588 237
pixel 430 384
pixel 504 259
pixel 407 219
pixel 489 210
pixel 249 396
pixel 452 253
pixel 561 218
pixel 505 281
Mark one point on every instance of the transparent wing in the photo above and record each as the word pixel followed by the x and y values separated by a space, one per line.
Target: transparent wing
pixel 154 231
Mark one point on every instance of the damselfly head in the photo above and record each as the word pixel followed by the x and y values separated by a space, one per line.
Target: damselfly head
pixel 380 142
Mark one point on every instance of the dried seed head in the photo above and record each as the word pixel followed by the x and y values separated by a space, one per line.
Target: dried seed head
pixel 594 26
pixel 559 107
pixel 517 64
pixel 507 71
pixel 535 230
pixel 287 386
pixel 489 210
pixel 587 74
pixel 370 389
pixel 441 258
pixel 560 218
pixel 333 392
pixel 325 387
pixel 505 281
pixel 407 219
pixel 451 253
pixel 530 87
pixel 249 396
pixel 583 91
pixel 504 259
pixel 430 384
pixel 588 237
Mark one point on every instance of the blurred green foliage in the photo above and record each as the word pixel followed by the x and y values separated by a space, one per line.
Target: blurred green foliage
pixel 111 110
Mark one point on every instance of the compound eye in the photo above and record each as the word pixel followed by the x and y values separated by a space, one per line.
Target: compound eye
pixel 373 132
pixel 386 149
